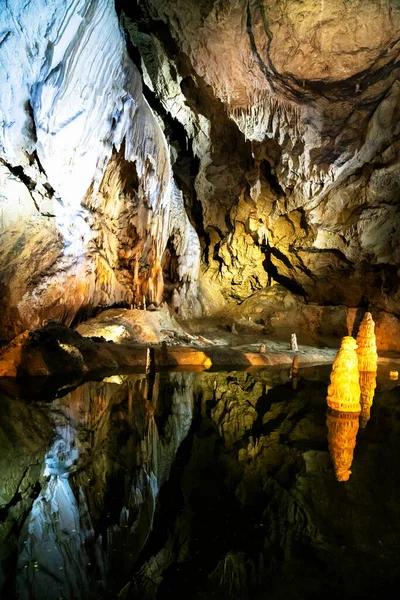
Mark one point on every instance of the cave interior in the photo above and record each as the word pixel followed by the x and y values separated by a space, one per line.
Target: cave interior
pixel 199 206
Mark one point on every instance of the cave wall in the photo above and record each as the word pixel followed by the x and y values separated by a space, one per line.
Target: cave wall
pixel 88 203
pixel 291 111
pixel 274 126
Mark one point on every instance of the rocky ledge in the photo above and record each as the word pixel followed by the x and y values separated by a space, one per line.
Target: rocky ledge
pixel 115 341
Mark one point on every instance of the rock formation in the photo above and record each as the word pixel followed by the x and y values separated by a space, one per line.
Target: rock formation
pixel 342 434
pixel 288 114
pixel 263 150
pixel 88 202
pixel 366 345
pixel 344 389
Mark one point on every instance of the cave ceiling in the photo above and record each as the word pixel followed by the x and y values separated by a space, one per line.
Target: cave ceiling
pixel 292 110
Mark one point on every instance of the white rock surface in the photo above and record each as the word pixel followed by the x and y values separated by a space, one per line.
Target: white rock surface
pixel 71 100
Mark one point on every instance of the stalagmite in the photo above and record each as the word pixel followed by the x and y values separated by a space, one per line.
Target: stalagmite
pixel 366 345
pixel 344 389
pixel 367 387
pixel 342 434
pixel 293 343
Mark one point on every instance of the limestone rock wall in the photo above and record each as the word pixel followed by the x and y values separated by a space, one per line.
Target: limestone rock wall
pixel 87 198
pixel 283 148
pixel 291 110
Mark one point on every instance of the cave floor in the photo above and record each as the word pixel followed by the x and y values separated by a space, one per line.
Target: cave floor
pixel 198 485
pixel 119 339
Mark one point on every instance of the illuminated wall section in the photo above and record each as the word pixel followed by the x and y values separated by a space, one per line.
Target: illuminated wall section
pixel 87 202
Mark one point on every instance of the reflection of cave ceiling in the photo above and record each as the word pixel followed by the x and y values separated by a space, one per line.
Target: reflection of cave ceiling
pixel 282 120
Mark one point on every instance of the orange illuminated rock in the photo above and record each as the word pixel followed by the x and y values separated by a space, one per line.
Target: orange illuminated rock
pixel 344 389
pixel 366 345
pixel 367 388
pixel 342 434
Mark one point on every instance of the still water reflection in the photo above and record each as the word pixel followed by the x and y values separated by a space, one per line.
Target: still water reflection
pixel 200 485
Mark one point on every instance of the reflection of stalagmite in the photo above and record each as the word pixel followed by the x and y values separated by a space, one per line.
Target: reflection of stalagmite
pixel 367 387
pixel 366 345
pixel 342 433
pixel 344 389
pixel 150 362
pixel 294 372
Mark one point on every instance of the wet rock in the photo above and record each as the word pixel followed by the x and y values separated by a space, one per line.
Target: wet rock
pixel 53 350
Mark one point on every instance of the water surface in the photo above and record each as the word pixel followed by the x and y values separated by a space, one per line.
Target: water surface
pixel 197 485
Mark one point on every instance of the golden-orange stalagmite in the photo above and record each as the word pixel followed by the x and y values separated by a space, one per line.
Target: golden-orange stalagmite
pixel 344 389
pixel 366 345
pixel 342 434
pixel 367 387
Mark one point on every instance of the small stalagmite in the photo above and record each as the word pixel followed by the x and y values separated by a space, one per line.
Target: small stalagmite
pixel 293 343
pixel 366 345
pixel 367 387
pixel 342 434
pixel 344 389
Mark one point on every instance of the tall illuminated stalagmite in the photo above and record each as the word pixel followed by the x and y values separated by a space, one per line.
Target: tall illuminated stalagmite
pixel 366 345
pixel 342 434
pixel 367 387
pixel 344 389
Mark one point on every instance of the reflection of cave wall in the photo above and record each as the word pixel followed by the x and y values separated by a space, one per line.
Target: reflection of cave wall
pixel 250 501
pixel 253 507
pixel 300 151
pixel 80 490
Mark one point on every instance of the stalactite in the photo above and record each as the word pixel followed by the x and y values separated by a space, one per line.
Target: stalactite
pixel 266 115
